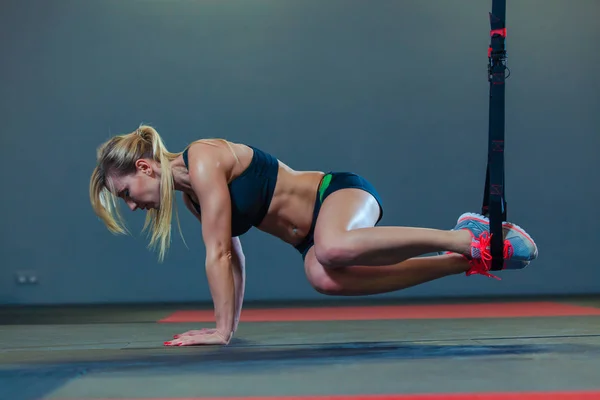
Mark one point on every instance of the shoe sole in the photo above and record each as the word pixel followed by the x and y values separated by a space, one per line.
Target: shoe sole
pixel 484 219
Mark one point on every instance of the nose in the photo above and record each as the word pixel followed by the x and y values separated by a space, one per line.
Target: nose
pixel 132 206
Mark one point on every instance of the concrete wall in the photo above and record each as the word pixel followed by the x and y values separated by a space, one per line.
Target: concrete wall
pixel 394 90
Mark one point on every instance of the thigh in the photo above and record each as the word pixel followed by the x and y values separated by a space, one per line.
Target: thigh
pixel 341 211
pixel 344 210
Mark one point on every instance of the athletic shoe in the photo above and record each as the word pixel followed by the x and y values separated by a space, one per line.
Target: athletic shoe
pixel 519 248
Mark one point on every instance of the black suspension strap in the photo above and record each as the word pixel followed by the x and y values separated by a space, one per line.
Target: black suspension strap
pixel 494 202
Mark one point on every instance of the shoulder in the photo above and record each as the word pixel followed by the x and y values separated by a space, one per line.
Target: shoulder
pixel 211 164
pixel 207 163
pixel 209 154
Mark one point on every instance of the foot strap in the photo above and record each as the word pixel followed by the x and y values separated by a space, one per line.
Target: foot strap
pixel 494 203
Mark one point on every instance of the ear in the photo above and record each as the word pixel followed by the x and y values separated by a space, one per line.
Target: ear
pixel 143 166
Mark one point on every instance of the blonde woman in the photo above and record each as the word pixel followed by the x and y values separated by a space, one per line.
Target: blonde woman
pixel 330 218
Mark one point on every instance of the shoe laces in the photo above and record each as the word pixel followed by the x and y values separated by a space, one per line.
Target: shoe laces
pixel 483 264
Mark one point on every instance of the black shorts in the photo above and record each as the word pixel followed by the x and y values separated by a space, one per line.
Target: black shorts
pixel 331 182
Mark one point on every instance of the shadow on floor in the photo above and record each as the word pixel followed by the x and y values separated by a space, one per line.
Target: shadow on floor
pixel 242 355
pixel 35 380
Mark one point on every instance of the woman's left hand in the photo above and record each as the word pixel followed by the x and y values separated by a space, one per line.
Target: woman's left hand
pixel 208 338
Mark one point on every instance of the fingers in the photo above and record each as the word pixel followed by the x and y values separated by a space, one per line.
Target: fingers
pixel 185 342
pixel 202 331
pixel 191 340
pixel 185 339
pixel 176 342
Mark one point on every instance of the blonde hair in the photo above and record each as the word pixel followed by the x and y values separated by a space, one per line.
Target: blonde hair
pixel 117 157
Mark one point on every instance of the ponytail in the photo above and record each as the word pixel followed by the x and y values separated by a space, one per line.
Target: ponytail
pixel 118 156
pixel 160 220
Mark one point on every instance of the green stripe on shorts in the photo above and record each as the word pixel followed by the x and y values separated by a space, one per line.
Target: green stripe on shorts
pixel 324 185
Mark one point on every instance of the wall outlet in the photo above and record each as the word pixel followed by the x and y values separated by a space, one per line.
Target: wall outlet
pixel 26 278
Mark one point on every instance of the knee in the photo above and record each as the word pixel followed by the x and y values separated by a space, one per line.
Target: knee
pixel 325 285
pixel 334 252
pixel 323 280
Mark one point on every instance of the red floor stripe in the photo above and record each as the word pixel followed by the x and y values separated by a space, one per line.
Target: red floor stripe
pixel 582 395
pixel 493 310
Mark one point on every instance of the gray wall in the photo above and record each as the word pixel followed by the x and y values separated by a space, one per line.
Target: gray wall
pixel 395 90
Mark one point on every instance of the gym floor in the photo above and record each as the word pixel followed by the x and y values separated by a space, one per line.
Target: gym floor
pixel 533 348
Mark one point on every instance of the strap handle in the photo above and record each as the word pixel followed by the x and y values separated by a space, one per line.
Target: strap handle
pixel 494 202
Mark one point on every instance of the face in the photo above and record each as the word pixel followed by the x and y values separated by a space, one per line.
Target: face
pixel 140 190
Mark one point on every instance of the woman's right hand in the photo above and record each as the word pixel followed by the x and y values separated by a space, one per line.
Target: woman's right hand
pixel 215 338
pixel 203 331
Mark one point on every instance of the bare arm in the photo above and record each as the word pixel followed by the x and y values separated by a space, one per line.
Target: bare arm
pixel 209 181
pixel 239 266
pixel 239 277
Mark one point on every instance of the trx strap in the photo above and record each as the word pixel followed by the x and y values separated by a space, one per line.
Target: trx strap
pixel 494 203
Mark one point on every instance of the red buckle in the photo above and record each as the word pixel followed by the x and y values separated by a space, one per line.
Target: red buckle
pixel 501 32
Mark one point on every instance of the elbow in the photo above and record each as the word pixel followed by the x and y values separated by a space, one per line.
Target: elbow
pixel 218 255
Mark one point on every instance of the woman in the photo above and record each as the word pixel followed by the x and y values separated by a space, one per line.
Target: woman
pixel 330 218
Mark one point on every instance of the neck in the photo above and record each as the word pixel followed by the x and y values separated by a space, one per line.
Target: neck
pixel 181 177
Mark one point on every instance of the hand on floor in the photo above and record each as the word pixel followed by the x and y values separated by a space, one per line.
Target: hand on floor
pixel 206 337
pixel 202 331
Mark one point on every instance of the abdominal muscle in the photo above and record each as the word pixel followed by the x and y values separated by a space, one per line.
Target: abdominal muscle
pixel 291 210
